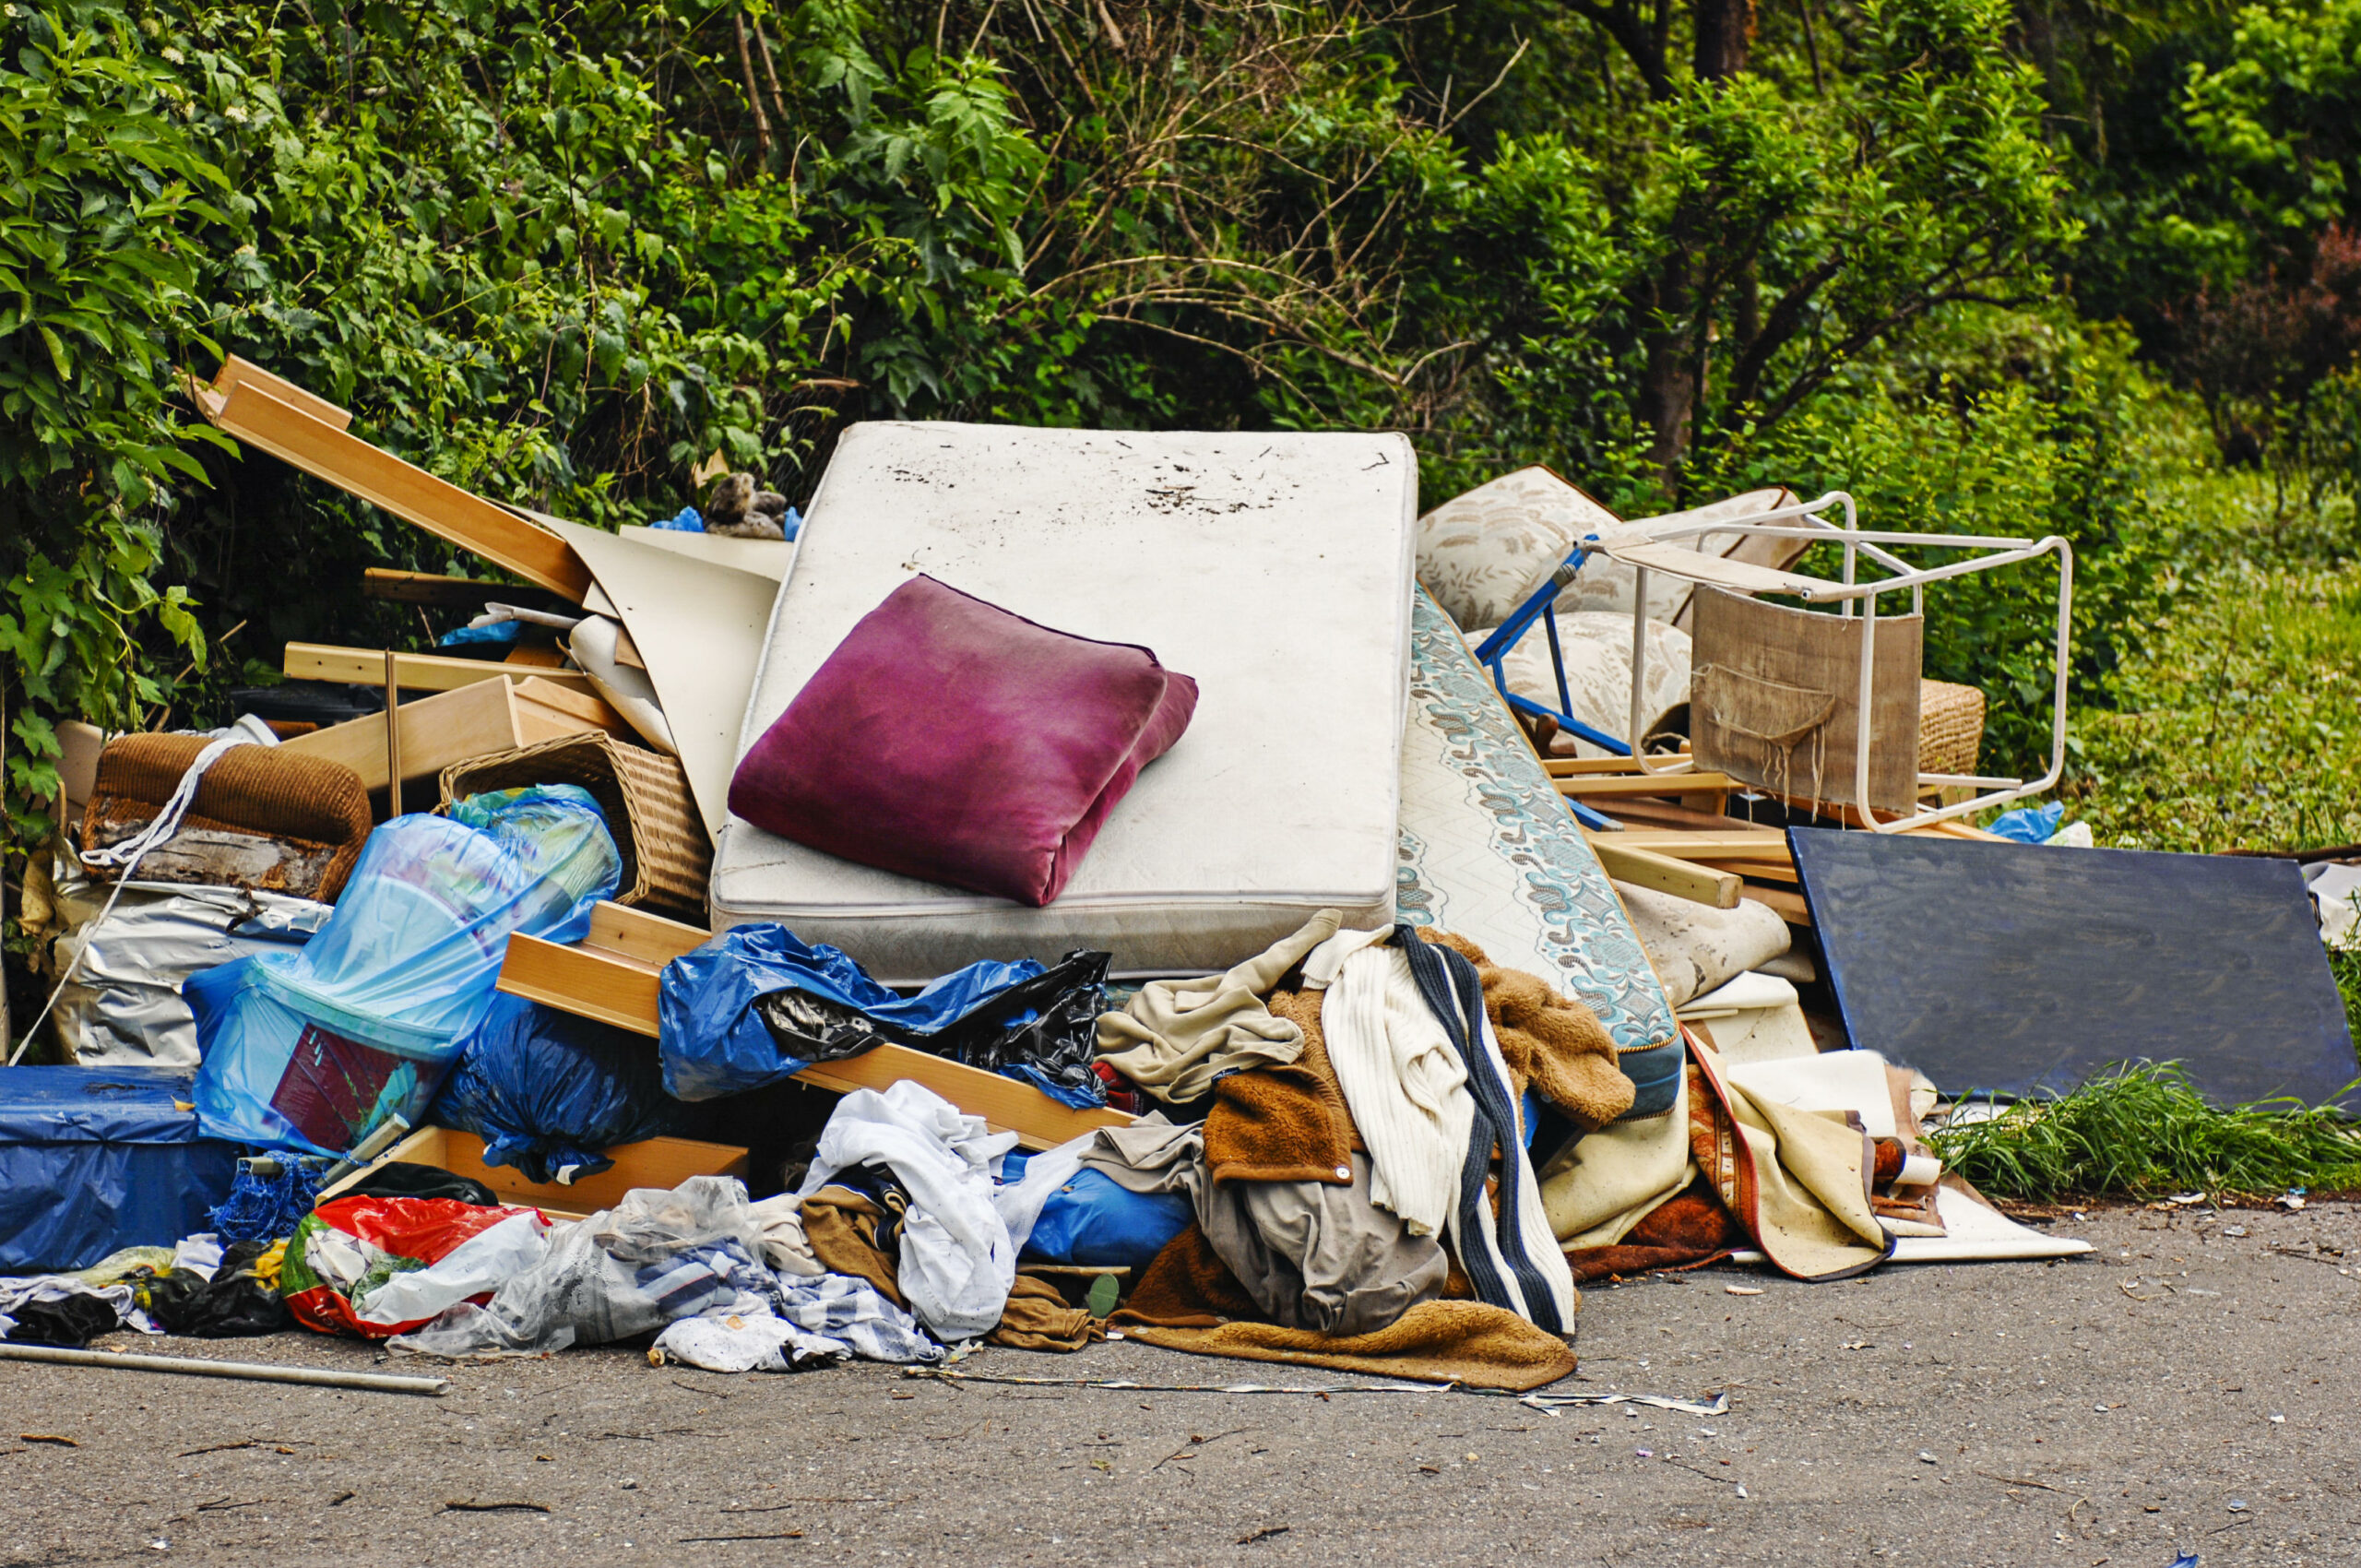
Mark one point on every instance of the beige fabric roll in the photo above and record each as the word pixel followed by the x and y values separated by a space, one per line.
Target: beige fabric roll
pixel 1597 1191
pixel 1696 949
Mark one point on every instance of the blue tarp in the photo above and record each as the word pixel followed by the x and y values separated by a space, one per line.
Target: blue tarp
pixel 93 1160
pixel 714 1041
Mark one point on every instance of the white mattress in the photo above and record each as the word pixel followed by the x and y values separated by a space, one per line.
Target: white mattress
pixel 1275 569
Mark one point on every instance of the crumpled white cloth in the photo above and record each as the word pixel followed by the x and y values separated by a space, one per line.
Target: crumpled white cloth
pixel 957 1259
pixel 807 1322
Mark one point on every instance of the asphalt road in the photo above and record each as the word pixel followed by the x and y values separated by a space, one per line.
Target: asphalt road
pixel 2190 1389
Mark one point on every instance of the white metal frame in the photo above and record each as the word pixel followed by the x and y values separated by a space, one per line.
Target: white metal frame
pixel 1808 524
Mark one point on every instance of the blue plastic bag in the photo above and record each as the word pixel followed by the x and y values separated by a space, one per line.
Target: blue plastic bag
pixel 1098 1222
pixel 2029 824
pixel 547 1091
pixel 311 1050
pixel 713 1041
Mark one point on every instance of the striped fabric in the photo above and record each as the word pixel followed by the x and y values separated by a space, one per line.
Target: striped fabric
pixel 851 1317
pixel 1511 1257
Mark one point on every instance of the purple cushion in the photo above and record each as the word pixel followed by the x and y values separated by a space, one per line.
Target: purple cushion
pixel 949 740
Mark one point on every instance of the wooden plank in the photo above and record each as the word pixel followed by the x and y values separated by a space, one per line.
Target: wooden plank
pixel 321 449
pixel 1705 792
pixel 236 372
pixel 1645 812
pixel 1005 1104
pixel 419 671
pixel 471 594
pixel 429 588
pixel 436 733
pixel 1622 786
pixel 546 711
pixel 638 935
pixel 1642 868
pixel 618 985
pixel 1754 870
pixel 657 1162
pixel 1791 907
pixel 535 656
pixel 1701 846
pixel 585 981
pixel 1579 767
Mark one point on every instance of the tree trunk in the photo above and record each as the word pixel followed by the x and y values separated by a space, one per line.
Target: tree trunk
pixel 1724 34
pixel 1668 386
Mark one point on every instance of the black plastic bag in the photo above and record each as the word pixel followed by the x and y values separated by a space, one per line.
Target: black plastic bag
pixel 233 1303
pixel 72 1321
pixel 1042 1031
pixel 400 1179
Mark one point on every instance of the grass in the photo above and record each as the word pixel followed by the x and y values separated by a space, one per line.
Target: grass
pixel 2141 1130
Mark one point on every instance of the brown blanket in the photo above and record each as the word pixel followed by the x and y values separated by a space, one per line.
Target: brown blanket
pixel 1187 1300
pixel 1690 1231
pixel 1286 1124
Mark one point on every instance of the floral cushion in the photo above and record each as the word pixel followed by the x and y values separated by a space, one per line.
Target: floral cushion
pixel 1483 553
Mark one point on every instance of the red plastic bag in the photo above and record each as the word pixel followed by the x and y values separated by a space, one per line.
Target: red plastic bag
pixel 378 1266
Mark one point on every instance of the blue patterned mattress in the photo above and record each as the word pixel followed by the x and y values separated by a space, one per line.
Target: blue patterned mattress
pixel 1489 851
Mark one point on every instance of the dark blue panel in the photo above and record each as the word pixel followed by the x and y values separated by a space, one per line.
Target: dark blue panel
pixel 2012 967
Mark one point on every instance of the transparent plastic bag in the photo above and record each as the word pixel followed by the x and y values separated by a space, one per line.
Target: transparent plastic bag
pixel 653 1259
pixel 312 1049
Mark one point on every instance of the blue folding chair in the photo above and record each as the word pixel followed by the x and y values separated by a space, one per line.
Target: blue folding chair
pixel 1541 605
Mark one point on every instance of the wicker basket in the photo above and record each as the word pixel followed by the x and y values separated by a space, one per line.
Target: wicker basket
pixel 666 858
pixel 1950 727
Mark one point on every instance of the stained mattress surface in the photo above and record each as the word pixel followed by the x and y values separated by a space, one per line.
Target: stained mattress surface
pixel 1273 568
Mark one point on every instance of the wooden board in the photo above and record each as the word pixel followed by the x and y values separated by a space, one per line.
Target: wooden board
pixel 416 671
pixel 657 1162
pixel 295 432
pixel 470 594
pixel 1700 885
pixel 1789 907
pixel 2015 968
pixel 1765 844
pixel 436 733
pixel 1579 767
pixel 236 372
pixel 1758 870
pixel 1707 792
pixel 546 711
pixel 612 977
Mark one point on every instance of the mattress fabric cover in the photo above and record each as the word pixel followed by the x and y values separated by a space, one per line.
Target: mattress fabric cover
pixel 1490 851
pixel 1274 568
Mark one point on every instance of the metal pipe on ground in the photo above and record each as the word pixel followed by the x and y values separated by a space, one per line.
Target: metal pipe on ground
pixel 254 1371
